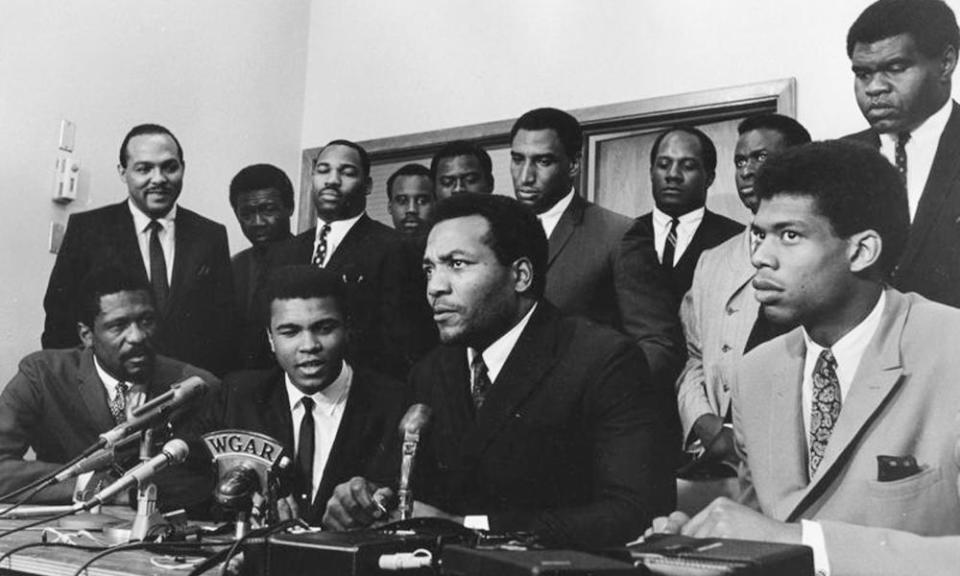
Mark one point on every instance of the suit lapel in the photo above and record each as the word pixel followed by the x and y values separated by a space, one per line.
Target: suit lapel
pixel 127 243
pixel 273 407
pixel 697 242
pixel 566 226
pixel 531 358
pixel 944 170
pixel 351 429
pixel 878 374
pixel 92 392
pixel 351 244
pixel 787 451
pixel 189 251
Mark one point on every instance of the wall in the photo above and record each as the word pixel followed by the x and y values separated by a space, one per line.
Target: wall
pixel 226 76
pixel 406 67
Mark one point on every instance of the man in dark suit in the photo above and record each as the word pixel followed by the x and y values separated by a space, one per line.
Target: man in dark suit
pixel 462 166
pixel 683 162
pixel 541 422
pixel 262 199
pixel 390 322
pixel 903 55
pixel 352 413
pixel 60 401
pixel 587 272
pixel 411 194
pixel 181 254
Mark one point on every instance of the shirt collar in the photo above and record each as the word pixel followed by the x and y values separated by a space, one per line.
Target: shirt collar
pixel 849 349
pixel 141 220
pixel 691 218
pixel 340 227
pixel 329 398
pixel 557 209
pixel 927 134
pixel 496 354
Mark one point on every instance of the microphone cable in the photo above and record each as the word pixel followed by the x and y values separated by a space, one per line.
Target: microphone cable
pixel 225 555
pixel 36 523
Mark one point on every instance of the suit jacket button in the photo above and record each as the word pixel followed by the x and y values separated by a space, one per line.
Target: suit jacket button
pixel 725 348
pixel 730 310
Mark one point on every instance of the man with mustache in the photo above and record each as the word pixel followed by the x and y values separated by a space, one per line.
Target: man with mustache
pixel 462 166
pixel 903 54
pixel 683 162
pixel 183 256
pixel 846 426
pixel 390 323
pixel 60 401
pixel 262 199
pixel 541 422
pixel 588 273
pixel 333 418
pixel 411 194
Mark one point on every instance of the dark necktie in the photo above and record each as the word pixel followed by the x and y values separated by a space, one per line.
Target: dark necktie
pixel 158 265
pixel 670 246
pixel 118 406
pixel 305 448
pixel 481 381
pixel 900 154
pixel 320 255
pixel 825 407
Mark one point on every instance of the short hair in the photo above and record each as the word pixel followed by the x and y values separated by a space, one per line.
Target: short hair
pixel 143 130
pixel 931 24
pixel 261 177
pixel 794 134
pixel 515 231
pixel 303 282
pixel 462 148
pixel 408 170
pixel 102 281
pixel 364 157
pixel 853 187
pixel 566 126
pixel 707 149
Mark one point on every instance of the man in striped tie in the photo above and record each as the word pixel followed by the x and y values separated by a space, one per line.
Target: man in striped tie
pixel 846 426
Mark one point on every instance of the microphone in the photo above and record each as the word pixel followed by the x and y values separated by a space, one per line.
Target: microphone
pixel 98 460
pixel 235 490
pixel 174 452
pixel 156 410
pixel 413 423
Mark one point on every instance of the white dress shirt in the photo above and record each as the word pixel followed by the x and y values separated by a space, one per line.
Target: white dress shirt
pixel 495 356
pixel 328 406
pixel 686 228
pixel 141 223
pixel 338 229
pixel 848 351
pixel 921 149
pixel 136 394
pixel 551 217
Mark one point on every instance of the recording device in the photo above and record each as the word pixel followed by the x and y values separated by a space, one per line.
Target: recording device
pixel 413 423
pixel 480 561
pixel 174 452
pixel 157 410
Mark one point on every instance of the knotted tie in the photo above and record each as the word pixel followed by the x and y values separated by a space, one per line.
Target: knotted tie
pixel 900 154
pixel 158 265
pixel 481 381
pixel 320 256
pixel 118 406
pixel 825 408
pixel 305 449
pixel 670 246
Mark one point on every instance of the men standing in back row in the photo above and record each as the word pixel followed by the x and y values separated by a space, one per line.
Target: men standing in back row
pixel 461 166
pixel 391 325
pixel 586 271
pixel 183 256
pixel 903 54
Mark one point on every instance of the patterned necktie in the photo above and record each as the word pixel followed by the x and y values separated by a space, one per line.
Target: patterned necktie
pixel 481 381
pixel 670 246
pixel 118 406
pixel 158 265
pixel 825 408
pixel 305 449
pixel 320 256
pixel 900 154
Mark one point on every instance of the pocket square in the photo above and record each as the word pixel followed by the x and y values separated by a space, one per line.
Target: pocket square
pixel 890 468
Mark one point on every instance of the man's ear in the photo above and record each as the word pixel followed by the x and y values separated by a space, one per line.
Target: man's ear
pixel 710 178
pixel 121 171
pixel 367 185
pixel 86 334
pixel 273 349
pixel 523 275
pixel 574 171
pixel 948 62
pixel 864 250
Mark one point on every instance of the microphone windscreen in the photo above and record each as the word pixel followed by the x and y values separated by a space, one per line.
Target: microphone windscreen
pixel 176 450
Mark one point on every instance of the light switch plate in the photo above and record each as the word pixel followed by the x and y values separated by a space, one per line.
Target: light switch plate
pixel 56 236
pixel 68 133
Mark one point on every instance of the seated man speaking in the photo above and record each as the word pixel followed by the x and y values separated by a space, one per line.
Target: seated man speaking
pixel 540 423
pixel 847 427
pixel 60 401
pixel 332 418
